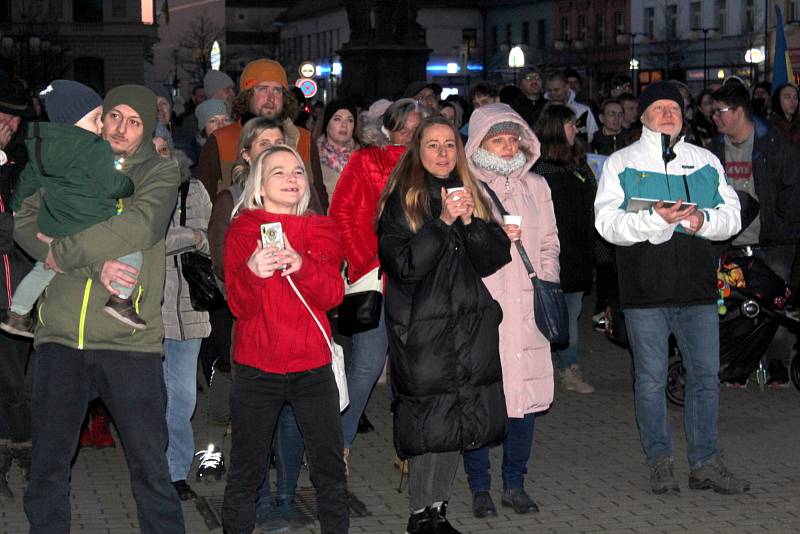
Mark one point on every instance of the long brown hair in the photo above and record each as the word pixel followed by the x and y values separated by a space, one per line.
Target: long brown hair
pixel 550 131
pixel 409 177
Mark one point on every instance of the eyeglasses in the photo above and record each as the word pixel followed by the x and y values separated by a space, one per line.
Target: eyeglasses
pixel 719 111
pixel 530 77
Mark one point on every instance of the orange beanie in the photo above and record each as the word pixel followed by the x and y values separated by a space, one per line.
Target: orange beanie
pixel 263 70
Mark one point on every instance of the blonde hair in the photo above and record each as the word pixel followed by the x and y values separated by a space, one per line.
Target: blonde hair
pixel 251 196
pixel 250 132
pixel 410 178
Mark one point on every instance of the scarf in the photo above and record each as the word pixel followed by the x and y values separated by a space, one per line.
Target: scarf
pixel 490 162
pixel 334 156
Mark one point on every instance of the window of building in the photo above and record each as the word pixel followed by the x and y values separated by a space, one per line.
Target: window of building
pixel 526 33
pixel 541 32
pixel 749 17
pixel 90 71
pixel 671 22
pixel 565 29
pixel 87 11
pixel 469 38
pixel 696 14
pixel 508 35
pixel 793 10
pixel 494 39
pixel 119 9
pixel 619 22
pixel 600 29
pixel 5 10
pixel 650 22
pixel 583 28
pixel 722 16
pixel 55 9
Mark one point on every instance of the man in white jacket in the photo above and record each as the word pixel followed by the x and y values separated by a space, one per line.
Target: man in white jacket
pixel 558 92
pixel 667 281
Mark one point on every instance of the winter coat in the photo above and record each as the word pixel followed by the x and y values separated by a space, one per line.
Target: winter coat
pixel 442 325
pixel 274 331
pixel 790 130
pixel 606 144
pixel 14 264
pixel 573 193
pixel 71 310
pixel 77 172
pixel 181 321
pixel 524 351
pixel 776 176
pixel 354 205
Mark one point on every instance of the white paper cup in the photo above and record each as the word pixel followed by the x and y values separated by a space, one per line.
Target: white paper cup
pixel 454 189
pixel 512 219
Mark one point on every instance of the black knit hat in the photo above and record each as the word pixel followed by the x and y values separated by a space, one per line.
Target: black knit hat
pixel 662 90
pixel 336 105
pixel 138 97
pixel 68 102
pixel 14 99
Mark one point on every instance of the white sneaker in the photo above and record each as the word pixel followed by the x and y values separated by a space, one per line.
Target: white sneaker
pixel 572 380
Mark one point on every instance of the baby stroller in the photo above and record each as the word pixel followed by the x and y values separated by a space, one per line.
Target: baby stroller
pixel 751 306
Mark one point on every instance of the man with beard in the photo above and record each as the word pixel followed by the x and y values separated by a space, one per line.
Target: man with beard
pixel 263 92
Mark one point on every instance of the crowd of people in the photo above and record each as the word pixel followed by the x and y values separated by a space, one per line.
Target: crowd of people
pixel 112 210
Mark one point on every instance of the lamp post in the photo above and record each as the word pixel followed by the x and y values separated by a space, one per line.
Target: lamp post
pixel 705 31
pixel 633 63
pixel 516 59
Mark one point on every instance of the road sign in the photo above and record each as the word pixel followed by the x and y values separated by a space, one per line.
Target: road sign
pixel 307 69
pixel 307 86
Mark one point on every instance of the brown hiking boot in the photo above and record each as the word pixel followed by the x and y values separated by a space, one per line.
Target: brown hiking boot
pixel 124 311
pixel 20 325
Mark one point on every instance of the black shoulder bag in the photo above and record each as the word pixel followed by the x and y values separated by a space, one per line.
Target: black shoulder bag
pixel 549 306
pixel 196 270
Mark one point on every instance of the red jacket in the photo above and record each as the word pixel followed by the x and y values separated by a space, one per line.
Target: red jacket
pixel 354 205
pixel 274 332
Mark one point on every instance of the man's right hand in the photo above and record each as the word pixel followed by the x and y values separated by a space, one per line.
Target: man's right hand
pixel 676 213
pixel 120 273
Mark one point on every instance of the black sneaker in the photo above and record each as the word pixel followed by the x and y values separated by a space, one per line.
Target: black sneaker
pixel 124 311
pixel 364 425
pixel 288 510
pixel 714 475
pixel 520 501
pixel 421 523
pixel 19 325
pixel 185 492
pixel 212 465
pixel 482 505
pixel 662 479
pixel 439 520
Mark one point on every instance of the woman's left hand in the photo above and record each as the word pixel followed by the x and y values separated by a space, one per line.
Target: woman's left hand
pixel 513 232
pixel 291 260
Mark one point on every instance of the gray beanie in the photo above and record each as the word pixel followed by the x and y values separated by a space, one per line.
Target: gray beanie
pixel 214 80
pixel 68 102
pixel 209 108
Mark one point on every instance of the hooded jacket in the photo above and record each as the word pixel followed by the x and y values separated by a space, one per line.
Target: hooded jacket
pixel 274 331
pixel 442 325
pixel 76 170
pixel 659 263
pixel 776 176
pixel 354 205
pixel 524 351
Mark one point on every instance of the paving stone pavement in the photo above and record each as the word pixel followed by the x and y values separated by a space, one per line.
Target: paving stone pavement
pixel 587 471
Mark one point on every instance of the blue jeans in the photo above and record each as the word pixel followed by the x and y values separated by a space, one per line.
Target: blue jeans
pixel 367 361
pixel 516 453
pixel 569 355
pixel 180 377
pixel 288 448
pixel 696 329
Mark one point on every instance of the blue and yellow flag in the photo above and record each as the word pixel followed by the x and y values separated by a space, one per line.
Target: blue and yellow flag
pixel 782 69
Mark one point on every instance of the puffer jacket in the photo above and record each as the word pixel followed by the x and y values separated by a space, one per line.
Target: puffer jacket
pixel 181 321
pixel 354 205
pixel 442 325
pixel 524 351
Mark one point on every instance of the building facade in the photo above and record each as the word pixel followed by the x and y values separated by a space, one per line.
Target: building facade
pixel 102 43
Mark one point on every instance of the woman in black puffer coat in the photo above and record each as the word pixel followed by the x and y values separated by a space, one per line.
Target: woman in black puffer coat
pixel 442 322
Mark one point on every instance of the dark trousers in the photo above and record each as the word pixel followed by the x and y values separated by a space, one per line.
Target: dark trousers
pixel 15 406
pixel 215 351
pixel 132 386
pixel 256 400
pixel 516 453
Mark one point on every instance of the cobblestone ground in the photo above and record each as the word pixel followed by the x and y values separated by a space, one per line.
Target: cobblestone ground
pixel 587 471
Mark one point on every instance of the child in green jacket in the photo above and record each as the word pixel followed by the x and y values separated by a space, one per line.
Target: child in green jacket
pixel 82 186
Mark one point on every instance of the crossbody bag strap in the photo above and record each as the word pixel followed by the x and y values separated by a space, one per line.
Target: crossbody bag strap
pixel 184 189
pixel 319 324
pixel 526 261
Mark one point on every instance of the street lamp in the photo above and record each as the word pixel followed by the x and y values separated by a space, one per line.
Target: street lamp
pixel 516 59
pixel 633 64
pixel 705 31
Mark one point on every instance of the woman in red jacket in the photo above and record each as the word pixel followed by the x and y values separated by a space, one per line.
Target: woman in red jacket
pixel 280 353
pixel 354 206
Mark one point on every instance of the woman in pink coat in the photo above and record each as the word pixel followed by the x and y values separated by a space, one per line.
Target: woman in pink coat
pixel 501 150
